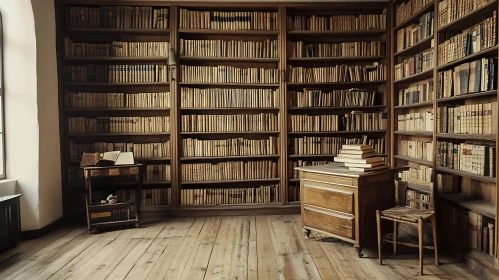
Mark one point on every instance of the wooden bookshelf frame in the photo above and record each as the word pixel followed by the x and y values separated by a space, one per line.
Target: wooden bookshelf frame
pixel 483 263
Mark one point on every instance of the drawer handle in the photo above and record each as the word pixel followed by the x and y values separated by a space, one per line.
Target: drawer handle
pixel 345 226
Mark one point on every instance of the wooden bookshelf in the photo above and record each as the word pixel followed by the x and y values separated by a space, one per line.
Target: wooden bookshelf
pixel 476 193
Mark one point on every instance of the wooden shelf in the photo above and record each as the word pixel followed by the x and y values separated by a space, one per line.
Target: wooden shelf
pixel 243 85
pixel 324 156
pixel 335 132
pixel 208 207
pixel 115 109
pixel 420 46
pixel 116 58
pixel 229 32
pixel 490 51
pixel 418 200
pixel 417 160
pixel 228 59
pixel 483 137
pixel 336 108
pixel 376 32
pixel 332 59
pixel 467 96
pixel 427 8
pixel 338 83
pixel 229 157
pixel 229 132
pixel 77 161
pixel 92 84
pixel 229 109
pixel 107 205
pixel 115 223
pixel 419 76
pixel 470 19
pixel 479 206
pixel 413 133
pixel 468 175
pixel 92 134
pixel 415 105
pixel 136 31
pixel 229 181
pixel 418 187
pixel 156 182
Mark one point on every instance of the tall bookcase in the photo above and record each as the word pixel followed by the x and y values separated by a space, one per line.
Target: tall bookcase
pixel 456 153
pixel 226 127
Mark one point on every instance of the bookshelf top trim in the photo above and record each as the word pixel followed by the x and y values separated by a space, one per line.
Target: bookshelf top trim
pixel 229 32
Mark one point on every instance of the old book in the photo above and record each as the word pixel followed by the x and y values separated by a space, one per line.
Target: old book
pixel 364 161
pixel 367 165
pixel 367 169
pixel 358 156
pixel 491 238
pixel 357 147
pixel 355 152
pixel 472 230
pixel 107 159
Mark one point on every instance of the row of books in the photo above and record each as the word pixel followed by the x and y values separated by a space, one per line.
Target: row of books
pixel 417 92
pixel 117 100
pixel 228 98
pixel 294 191
pixel 250 20
pixel 116 49
pixel 192 147
pixel 418 121
pixel 342 49
pixel 229 170
pixel 472 158
pixel 119 124
pixel 472 40
pixel 158 172
pixel 415 33
pixel 294 174
pixel 219 123
pixel 338 22
pixel 409 8
pixel 419 63
pixel 447 183
pixel 228 74
pixel 229 48
pixel 421 175
pixel 416 149
pixel 310 97
pixel 139 150
pixel 261 194
pixel 149 197
pixel 468 119
pixel 452 10
pixel 116 73
pixel 470 229
pixel 312 145
pixel 337 73
pixel 117 17
pixel 470 77
pixel 418 200
pixel 354 121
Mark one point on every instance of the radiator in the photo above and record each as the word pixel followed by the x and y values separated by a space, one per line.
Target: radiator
pixel 10 221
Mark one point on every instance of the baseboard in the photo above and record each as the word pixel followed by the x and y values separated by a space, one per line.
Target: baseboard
pixel 37 233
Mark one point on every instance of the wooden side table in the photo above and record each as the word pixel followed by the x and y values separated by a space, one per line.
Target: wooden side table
pixel 120 213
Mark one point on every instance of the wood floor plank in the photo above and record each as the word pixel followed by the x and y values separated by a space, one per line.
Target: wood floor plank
pixel 47 252
pixel 147 261
pixel 267 266
pixel 202 256
pixel 190 243
pixel 255 247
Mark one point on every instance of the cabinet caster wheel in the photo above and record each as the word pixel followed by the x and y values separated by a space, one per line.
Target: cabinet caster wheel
pixel 306 233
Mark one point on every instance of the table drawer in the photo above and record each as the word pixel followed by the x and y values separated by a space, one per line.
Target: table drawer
pixel 326 196
pixel 328 221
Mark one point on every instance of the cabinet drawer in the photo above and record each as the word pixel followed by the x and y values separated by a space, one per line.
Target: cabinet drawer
pixel 328 221
pixel 328 197
pixel 345 181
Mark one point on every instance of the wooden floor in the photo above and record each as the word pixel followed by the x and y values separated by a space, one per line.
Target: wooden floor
pixel 261 247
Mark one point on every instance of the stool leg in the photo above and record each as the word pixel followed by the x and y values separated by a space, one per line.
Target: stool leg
pixel 435 239
pixel 394 237
pixel 420 235
pixel 378 222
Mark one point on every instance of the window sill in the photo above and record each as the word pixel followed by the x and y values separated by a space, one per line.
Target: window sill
pixel 7 187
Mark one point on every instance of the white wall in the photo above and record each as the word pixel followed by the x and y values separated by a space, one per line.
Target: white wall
pixel 30 107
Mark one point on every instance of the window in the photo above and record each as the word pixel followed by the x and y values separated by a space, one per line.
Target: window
pixel 2 124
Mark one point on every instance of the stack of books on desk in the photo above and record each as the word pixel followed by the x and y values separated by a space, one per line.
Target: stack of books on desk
pixel 360 158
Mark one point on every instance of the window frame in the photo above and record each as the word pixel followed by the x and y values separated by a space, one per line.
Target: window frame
pixel 3 174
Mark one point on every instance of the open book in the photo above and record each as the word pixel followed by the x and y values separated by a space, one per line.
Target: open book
pixel 107 159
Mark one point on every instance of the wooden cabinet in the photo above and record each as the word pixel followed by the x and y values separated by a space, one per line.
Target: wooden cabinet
pixel 342 203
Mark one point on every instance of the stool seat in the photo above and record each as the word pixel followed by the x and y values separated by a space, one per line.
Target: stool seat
pixel 406 214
